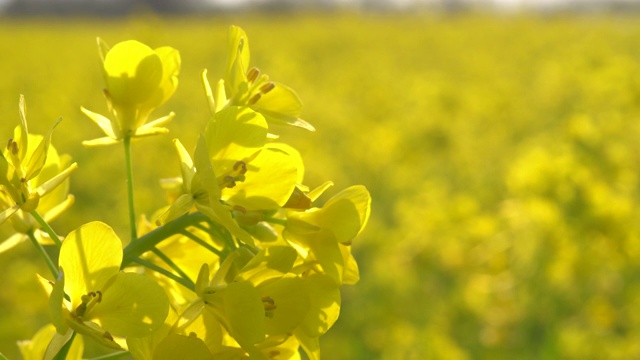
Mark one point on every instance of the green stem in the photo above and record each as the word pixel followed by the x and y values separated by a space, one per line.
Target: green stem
pixel 149 240
pixel 272 220
pixel 43 253
pixel 132 210
pixel 201 242
pixel 170 262
pixel 45 226
pixel 184 282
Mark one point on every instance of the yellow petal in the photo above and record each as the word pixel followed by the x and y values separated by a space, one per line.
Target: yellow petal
pixel 182 347
pixel 310 345
pixel 234 134
pixel 100 142
pixel 208 92
pixel 282 106
pixel 269 263
pixel 269 182
pixel 239 57
pixel 90 256
pixel 12 241
pixel 133 72
pixel 132 305
pixel 39 155
pixel 324 294
pixel 103 122
pixel 351 274
pixel 245 313
pixel 290 302
pixel 35 348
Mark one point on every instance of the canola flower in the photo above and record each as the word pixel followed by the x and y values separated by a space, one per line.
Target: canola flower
pixel 94 298
pixel 241 263
pixel 21 164
pixel 138 80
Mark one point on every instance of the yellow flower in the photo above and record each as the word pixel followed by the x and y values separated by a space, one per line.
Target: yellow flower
pixel 138 80
pixel 236 171
pixel 324 235
pixel 21 162
pixel 244 86
pixel 36 348
pixel 93 298
pixel 50 206
pixel 265 303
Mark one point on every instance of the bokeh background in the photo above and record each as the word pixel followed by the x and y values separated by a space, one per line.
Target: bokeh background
pixel 499 141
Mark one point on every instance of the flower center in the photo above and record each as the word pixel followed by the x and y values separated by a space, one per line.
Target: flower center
pixel 89 300
pixel 269 306
pixel 229 179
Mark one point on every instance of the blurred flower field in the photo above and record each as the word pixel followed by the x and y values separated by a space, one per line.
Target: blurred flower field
pixel 501 153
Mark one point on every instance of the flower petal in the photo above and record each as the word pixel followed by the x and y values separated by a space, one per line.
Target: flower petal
pixel 181 206
pixel 239 57
pixel 91 255
pixel 270 180
pixel 245 313
pixel 269 263
pixel 102 121
pixel 132 305
pixel 133 72
pixel 234 134
pixel 282 106
pixel 182 347
pixel 324 294
pixel 290 301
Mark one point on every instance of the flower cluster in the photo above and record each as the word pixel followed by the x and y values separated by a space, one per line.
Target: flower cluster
pixel 242 262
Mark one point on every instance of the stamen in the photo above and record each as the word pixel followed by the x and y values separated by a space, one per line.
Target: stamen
pixel 252 74
pixel 254 99
pixel 269 306
pixel 240 209
pixel 240 167
pixel 14 147
pixel 269 303
pixel 228 182
pixel 267 87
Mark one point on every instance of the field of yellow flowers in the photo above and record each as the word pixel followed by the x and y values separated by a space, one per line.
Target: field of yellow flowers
pixel 501 153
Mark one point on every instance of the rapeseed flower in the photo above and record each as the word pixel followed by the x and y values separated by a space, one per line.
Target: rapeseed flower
pixel 21 161
pixel 94 298
pixel 138 80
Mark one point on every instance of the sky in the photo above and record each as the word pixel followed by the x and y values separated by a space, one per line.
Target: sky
pixel 515 4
